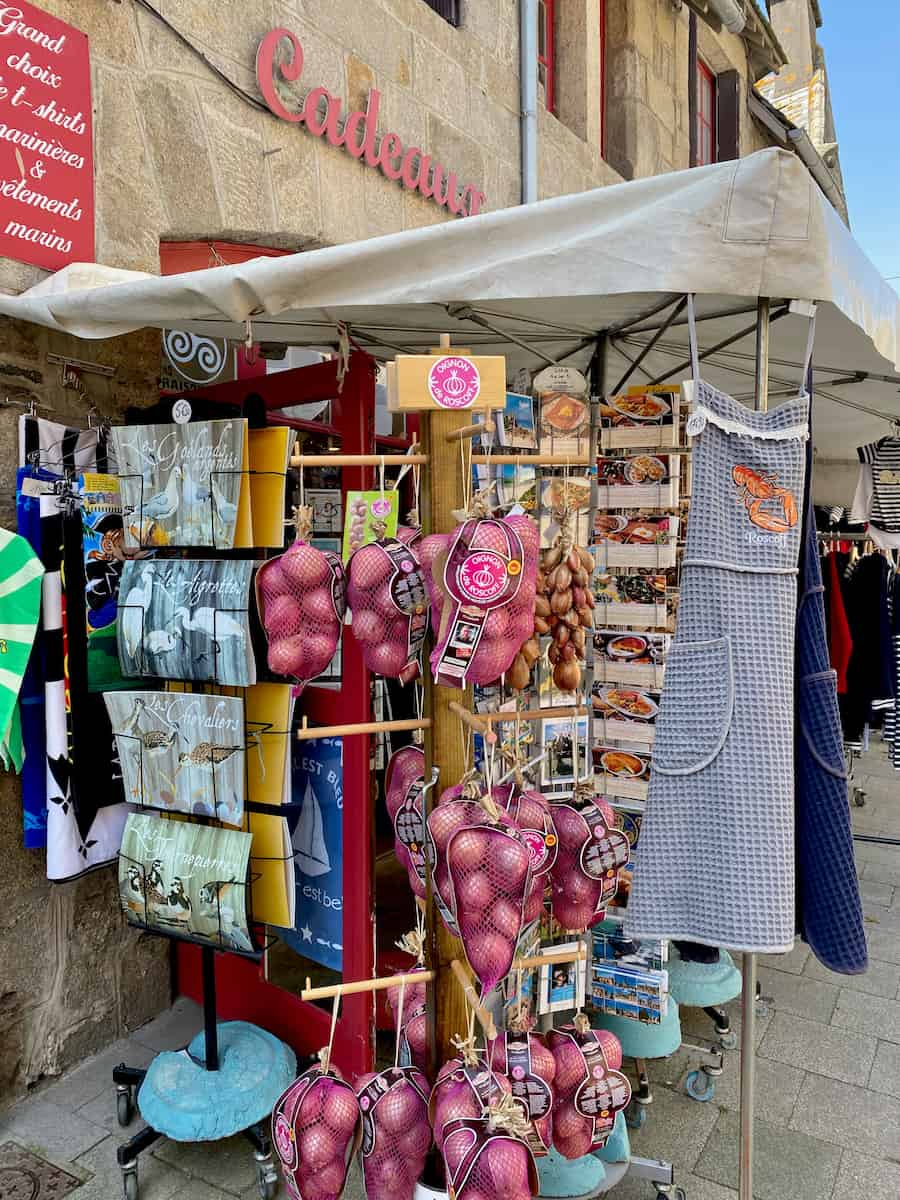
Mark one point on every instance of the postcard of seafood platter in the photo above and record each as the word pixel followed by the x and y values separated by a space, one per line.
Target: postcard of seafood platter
pixel 187 880
pixel 181 484
pixel 181 752
pixel 186 619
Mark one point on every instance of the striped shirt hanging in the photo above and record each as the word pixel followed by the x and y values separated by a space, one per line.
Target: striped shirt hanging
pixel 20 606
pixel 884 458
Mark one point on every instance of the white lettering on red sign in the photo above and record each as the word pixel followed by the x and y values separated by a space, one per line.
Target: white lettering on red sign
pixel 357 132
pixel 46 155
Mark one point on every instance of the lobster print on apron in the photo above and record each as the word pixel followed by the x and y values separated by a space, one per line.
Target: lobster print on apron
pixel 715 860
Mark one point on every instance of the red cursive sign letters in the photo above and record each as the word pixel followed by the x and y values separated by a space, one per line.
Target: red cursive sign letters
pixel 357 133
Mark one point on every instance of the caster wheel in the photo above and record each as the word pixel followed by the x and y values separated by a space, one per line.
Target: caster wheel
pixel 700 1087
pixel 130 1185
pixel 635 1116
pixel 728 1041
pixel 266 1182
pixel 124 1107
pixel 859 797
pixel 762 1010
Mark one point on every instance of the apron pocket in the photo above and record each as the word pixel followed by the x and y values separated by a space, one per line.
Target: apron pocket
pixel 820 723
pixel 697 706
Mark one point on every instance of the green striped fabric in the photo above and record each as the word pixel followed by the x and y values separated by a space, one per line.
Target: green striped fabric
pixel 20 606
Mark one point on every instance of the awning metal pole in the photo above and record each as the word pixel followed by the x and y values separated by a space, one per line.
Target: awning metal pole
pixel 676 372
pixel 748 970
pixel 679 308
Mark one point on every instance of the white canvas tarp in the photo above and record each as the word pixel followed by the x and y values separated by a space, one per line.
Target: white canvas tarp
pixel 554 274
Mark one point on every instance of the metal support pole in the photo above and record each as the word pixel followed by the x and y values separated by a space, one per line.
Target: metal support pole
pixel 528 98
pixel 211 1033
pixel 748 972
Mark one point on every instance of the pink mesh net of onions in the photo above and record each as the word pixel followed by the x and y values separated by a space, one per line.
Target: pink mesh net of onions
pixel 314 1125
pixel 486 1163
pixel 396 1132
pixel 462 1090
pixel 524 1059
pixel 590 1088
pixel 386 594
pixel 404 779
pixel 590 854
pixel 302 598
pixel 414 1021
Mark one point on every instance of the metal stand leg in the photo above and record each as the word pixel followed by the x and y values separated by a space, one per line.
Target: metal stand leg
pixel 748 1075
pixel 211 1035
pixel 636 1112
pixel 266 1174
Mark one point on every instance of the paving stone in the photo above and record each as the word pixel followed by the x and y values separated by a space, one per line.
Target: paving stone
pixel 868 1014
pixel 676 1128
pixel 848 1116
pixel 229 1165
pixel 102 1111
pixel 885 1074
pixel 632 1188
pixel 811 1046
pixel 886 919
pixel 785 1163
pixel 173 1029
pixel 798 994
pixel 875 892
pixel 697 1026
pixel 196 1189
pixel 793 962
pixel 871 852
pixel 880 978
pixel 156 1180
pixel 883 944
pixel 779 1083
pixel 49 1130
pixel 94 1076
pixel 877 872
pixel 863 1177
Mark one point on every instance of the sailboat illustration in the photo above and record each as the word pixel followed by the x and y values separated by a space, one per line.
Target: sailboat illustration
pixel 309 839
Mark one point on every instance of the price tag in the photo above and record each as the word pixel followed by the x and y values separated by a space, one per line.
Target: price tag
pixel 181 411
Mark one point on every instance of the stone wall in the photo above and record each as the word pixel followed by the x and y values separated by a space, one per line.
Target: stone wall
pixel 73 977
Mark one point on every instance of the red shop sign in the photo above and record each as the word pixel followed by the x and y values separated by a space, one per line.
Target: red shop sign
pixel 46 143
pixel 357 132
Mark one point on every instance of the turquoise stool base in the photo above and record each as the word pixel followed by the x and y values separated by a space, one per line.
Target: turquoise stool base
pixel 639 1040
pixel 182 1100
pixel 569 1179
pixel 703 985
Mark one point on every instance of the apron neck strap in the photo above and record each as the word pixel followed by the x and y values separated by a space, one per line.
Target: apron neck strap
pixel 692 332
pixel 807 358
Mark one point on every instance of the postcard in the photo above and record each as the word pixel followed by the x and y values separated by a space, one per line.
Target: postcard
pixel 185 485
pixel 623 713
pixel 104 556
pixel 631 599
pixel 637 481
pixel 370 516
pixel 181 752
pixel 564 411
pixel 629 657
pixel 562 985
pixel 515 422
pixel 188 880
pixel 641 417
pixel 622 540
pixel 560 492
pixel 187 619
pixel 621 771
pixel 517 485
pixel 558 737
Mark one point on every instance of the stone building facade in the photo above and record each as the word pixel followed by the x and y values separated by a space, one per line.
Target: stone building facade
pixel 185 150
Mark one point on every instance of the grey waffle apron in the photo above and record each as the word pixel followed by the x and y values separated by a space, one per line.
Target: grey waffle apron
pixel 715 860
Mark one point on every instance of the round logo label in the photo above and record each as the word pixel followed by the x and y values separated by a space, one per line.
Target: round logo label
pixel 381 507
pixel 482 576
pixel 454 382
pixel 284 1140
pixel 537 847
pixel 181 411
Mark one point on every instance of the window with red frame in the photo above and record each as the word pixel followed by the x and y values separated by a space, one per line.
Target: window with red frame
pixel 706 115
pixel 547 51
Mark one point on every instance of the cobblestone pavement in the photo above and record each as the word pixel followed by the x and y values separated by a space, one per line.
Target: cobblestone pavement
pixel 828 1078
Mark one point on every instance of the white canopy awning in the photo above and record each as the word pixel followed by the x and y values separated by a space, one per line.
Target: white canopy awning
pixel 554 275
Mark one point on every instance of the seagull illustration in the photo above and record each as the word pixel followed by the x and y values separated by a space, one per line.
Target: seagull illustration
pixel 193 493
pixel 164 503
pixel 227 512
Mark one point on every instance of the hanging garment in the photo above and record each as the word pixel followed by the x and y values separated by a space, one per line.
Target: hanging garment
pixel 829 910
pixel 870 670
pixel 85 816
pixel 840 641
pixel 892 714
pixel 20 604
pixel 61 448
pixel 715 862
pixel 883 500
pixel 31 698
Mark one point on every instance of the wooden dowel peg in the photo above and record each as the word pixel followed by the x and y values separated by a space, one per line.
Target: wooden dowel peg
pixel 531 460
pixel 308 732
pixel 364 985
pixel 532 714
pixel 554 956
pixel 473 721
pixel 359 460
pixel 485 1020
pixel 464 433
